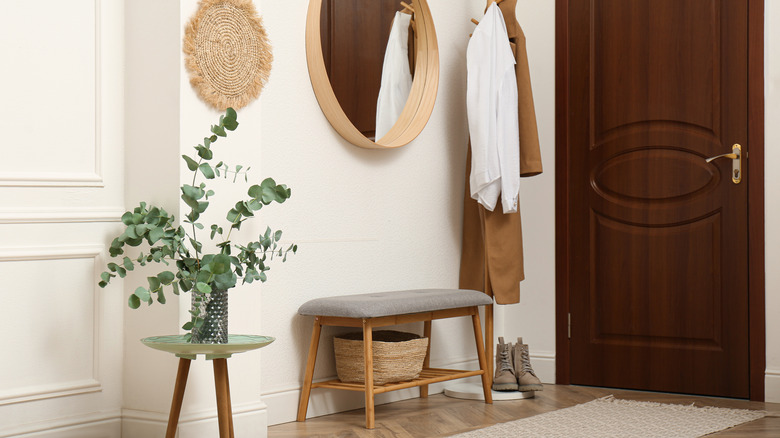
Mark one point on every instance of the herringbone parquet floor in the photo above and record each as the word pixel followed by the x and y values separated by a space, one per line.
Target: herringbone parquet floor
pixel 440 416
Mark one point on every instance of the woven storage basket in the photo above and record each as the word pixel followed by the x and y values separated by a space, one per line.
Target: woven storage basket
pixel 398 356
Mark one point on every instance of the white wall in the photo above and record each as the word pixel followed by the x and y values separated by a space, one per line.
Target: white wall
pixel 365 220
pixel 772 182
pixel 61 185
pixel 534 317
pixel 153 48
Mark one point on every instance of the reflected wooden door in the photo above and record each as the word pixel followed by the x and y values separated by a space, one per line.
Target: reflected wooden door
pixel 658 266
pixel 354 37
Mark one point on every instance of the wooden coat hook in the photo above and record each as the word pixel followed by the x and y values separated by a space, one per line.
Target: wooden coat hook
pixel 407 7
pixel 498 2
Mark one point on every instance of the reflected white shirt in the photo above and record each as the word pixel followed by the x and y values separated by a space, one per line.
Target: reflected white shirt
pixel 396 76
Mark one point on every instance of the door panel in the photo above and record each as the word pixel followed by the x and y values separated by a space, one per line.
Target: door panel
pixel 658 238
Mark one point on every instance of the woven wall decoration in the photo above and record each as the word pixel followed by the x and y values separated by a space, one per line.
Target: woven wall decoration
pixel 227 53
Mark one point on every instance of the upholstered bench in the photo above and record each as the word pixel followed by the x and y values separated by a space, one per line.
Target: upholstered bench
pixel 391 308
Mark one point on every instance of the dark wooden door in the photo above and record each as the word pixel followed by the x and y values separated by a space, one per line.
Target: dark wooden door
pixel 658 255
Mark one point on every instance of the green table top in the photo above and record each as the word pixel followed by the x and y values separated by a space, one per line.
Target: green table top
pixel 181 348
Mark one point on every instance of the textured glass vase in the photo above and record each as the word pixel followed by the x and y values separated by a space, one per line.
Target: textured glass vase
pixel 215 325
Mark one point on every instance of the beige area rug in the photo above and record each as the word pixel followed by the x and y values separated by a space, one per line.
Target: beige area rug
pixel 611 417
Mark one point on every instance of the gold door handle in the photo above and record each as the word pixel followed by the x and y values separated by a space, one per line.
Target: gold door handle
pixel 736 162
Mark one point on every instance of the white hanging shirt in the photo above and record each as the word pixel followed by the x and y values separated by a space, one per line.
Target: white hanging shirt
pixel 491 106
pixel 396 76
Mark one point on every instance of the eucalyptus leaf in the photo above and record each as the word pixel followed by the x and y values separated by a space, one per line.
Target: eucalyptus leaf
pixel 143 294
pixel 219 130
pixel 134 302
pixel 230 124
pixel 155 234
pixel 203 288
pixel 193 192
pixel 191 164
pixel 127 218
pixel 207 170
pixel 233 215
pixel 166 277
pixel 205 153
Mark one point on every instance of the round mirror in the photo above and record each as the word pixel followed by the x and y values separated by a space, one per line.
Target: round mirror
pixel 374 67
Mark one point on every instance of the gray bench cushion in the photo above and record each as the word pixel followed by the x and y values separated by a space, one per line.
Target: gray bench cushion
pixel 394 303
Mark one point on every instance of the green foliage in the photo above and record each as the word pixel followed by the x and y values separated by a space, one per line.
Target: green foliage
pixel 171 244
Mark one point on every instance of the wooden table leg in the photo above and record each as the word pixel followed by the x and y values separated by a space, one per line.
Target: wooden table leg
pixel 427 360
pixel 178 396
pixel 223 397
pixel 303 404
pixel 368 363
pixel 230 404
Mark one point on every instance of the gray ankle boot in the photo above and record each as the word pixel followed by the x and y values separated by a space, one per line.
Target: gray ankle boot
pixel 504 379
pixel 526 378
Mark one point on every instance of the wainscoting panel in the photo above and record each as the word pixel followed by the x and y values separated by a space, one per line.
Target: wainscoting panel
pixel 62 190
pixel 62 278
pixel 50 108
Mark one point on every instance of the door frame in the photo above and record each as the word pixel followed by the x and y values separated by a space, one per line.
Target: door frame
pixel 756 272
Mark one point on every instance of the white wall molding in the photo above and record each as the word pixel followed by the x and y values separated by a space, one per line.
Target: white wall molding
pixel 69 427
pixel 51 179
pixel 772 386
pixel 40 392
pixel 54 252
pixel 248 420
pixel 68 388
pixel 92 178
pixel 60 216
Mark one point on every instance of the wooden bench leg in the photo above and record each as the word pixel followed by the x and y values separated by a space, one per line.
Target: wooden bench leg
pixel 178 396
pixel 427 361
pixel 303 404
pixel 368 364
pixel 482 361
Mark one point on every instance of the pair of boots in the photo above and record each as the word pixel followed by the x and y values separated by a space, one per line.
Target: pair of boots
pixel 513 368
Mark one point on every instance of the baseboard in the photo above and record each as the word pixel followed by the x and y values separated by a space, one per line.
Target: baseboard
pixel 283 403
pixel 772 386
pixel 249 420
pixel 92 425
pixel 544 366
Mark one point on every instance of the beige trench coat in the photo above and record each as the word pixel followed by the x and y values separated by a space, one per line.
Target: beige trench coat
pixel 493 233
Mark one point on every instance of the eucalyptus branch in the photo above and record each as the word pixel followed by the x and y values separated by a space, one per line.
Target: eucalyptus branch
pixel 195 270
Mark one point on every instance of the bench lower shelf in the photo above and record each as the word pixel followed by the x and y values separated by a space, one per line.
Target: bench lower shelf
pixel 427 377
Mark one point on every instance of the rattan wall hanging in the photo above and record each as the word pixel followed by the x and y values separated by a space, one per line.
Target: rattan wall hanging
pixel 227 53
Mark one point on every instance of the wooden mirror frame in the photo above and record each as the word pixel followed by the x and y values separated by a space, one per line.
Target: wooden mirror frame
pixel 419 105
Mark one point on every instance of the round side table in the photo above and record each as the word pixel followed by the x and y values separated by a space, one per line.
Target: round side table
pixel 218 354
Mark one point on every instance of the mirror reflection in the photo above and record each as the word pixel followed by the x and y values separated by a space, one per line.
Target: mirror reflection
pixel 368 47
